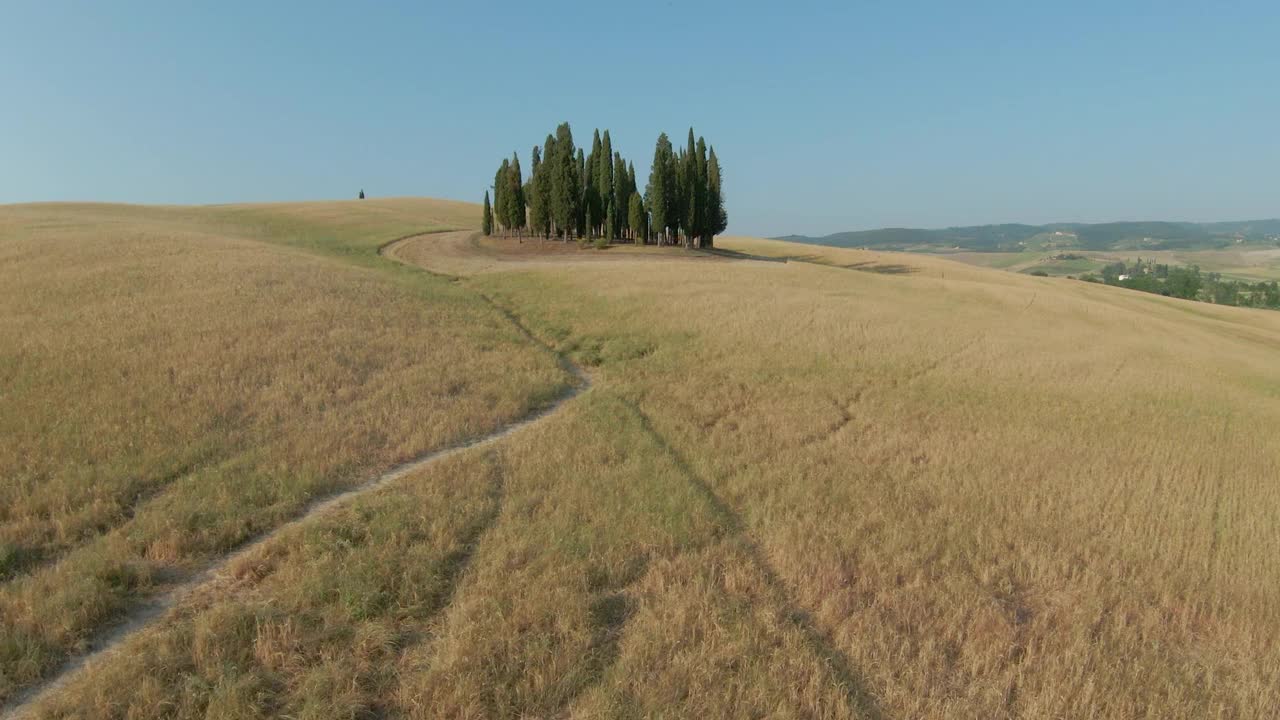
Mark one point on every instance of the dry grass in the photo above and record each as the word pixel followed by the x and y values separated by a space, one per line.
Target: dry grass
pixel 353 229
pixel 996 495
pixel 510 583
pixel 861 485
pixel 170 392
pixel 468 253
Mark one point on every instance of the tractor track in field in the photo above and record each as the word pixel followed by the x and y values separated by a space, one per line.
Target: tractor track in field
pixel 213 575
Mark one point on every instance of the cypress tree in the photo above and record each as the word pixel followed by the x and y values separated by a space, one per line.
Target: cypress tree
pixel 603 177
pixel 635 218
pixel 674 196
pixel 691 208
pixel 487 223
pixel 544 185
pixel 583 180
pixel 526 192
pixel 609 221
pixel 679 196
pixel 593 202
pixel 564 183
pixel 500 193
pixel 621 196
pixel 658 192
pixel 715 200
pixel 534 195
pixel 631 190
pixel 704 219
pixel 594 156
pixel 515 219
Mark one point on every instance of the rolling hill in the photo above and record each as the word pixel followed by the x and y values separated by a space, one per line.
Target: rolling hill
pixel 1017 238
pixel 778 480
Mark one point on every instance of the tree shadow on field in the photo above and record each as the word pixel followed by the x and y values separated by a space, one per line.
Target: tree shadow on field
pixel 739 255
pixel 814 259
pixel 454 565
pixel 18 559
pixel 881 268
pixel 609 616
pixel 856 690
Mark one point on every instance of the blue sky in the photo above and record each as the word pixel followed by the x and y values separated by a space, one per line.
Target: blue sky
pixel 826 117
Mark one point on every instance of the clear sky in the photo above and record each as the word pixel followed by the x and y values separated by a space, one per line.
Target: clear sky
pixel 826 117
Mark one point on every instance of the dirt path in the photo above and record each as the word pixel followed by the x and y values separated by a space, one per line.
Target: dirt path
pixel 451 254
pixel 214 576
pixel 466 252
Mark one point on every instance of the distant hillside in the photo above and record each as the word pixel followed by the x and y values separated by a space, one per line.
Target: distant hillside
pixel 1246 227
pixel 1013 237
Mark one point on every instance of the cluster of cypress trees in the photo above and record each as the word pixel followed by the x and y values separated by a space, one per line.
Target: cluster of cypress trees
pixel 574 194
pixel 683 197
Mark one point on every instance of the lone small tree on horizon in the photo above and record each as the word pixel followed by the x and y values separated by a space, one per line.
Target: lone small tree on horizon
pixel 361 193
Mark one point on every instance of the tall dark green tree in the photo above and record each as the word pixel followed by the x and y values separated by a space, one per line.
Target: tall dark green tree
pixel 534 197
pixel 610 221
pixel 603 179
pixel 583 180
pixel 621 196
pixel 635 218
pixel 548 169
pixel 515 218
pixel 632 188
pixel 500 192
pixel 564 183
pixel 691 207
pixel 703 195
pixel 719 219
pixel 675 209
pixel 487 223
pixel 593 203
pixel 660 192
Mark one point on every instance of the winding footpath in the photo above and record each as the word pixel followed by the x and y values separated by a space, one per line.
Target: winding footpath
pixel 213 575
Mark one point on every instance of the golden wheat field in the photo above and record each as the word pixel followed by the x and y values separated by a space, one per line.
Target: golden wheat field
pixel 170 391
pixel 803 483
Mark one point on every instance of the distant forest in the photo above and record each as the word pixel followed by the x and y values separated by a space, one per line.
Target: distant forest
pixel 593 196
pixel 1188 283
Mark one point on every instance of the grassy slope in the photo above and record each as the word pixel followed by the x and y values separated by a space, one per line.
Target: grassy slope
pixel 172 389
pixel 863 485
pixel 344 227
pixel 992 492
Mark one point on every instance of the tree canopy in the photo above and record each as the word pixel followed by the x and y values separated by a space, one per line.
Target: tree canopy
pixel 487 223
